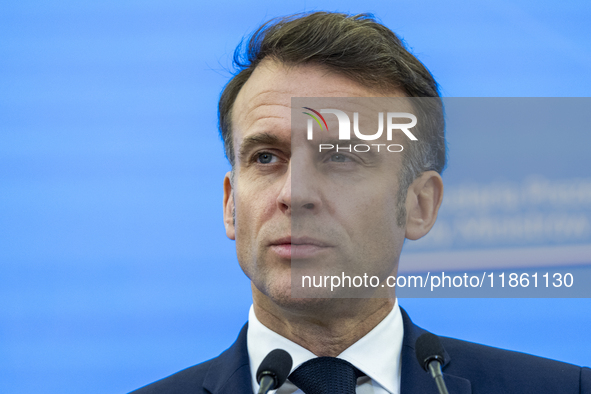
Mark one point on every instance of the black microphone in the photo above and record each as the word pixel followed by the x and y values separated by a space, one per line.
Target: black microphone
pixel 430 355
pixel 273 370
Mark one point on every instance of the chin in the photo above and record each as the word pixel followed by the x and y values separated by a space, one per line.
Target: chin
pixel 320 303
pixel 279 290
pixel 317 306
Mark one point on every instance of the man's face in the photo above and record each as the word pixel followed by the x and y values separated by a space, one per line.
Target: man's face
pixel 290 205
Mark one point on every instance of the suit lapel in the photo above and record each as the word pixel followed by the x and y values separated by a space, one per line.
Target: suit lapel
pixel 230 372
pixel 416 380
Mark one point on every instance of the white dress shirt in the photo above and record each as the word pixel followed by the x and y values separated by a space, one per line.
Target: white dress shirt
pixel 377 354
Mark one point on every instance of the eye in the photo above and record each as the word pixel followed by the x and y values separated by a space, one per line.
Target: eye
pixel 266 158
pixel 339 158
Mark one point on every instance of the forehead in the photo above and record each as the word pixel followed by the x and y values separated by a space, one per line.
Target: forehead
pixel 264 102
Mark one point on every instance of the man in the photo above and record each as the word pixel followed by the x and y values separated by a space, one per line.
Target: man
pixel 293 209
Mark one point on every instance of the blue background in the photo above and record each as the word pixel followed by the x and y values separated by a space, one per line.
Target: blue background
pixel 114 267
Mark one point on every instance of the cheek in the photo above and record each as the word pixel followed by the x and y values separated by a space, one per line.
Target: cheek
pixel 374 226
pixel 254 210
pixel 257 220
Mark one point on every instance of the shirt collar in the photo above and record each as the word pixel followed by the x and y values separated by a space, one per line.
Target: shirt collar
pixel 377 354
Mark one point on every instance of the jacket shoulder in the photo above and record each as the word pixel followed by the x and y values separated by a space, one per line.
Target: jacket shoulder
pixel 227 373
pixel 189 380
pixel 490 367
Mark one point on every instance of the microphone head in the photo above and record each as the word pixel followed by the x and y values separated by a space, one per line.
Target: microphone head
pixel 276 364
pixel 427 349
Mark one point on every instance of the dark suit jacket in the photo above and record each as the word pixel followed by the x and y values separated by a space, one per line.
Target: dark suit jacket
pixel 469 368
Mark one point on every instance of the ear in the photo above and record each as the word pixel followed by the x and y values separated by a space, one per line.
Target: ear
pixel 229 207
pixel 423 199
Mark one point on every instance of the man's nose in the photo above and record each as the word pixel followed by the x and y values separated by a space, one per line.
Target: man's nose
pixel 300 192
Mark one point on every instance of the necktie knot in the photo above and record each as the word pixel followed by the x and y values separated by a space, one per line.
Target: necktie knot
pixel 326 375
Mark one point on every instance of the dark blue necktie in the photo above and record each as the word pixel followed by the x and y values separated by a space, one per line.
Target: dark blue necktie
pixel 326 375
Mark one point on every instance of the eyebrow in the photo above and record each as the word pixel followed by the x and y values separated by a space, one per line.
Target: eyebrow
pixel 252 141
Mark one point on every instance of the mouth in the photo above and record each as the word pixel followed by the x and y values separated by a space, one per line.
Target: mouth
pixel 299 248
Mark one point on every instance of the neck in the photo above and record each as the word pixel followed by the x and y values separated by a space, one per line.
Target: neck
pixel 326 327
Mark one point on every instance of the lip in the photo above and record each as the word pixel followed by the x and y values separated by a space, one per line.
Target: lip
pixel 298 247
